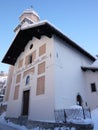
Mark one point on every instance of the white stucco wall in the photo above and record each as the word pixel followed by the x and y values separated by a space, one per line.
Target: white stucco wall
pixel 40 107
pixel 69 78
pixel 64 79
pixel 13 106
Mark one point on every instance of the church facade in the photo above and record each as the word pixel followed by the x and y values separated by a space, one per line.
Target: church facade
pixel 48 71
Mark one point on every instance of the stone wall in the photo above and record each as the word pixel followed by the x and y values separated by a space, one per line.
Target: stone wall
pixel 50 125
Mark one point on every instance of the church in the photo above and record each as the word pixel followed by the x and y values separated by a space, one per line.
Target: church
pixel 48 71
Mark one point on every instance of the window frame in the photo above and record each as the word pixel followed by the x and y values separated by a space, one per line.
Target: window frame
pixel 30 59
pixel 93 87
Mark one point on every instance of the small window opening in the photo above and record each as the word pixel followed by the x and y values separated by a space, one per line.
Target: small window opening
pixel 93 87
pixel 27 80
pixel 79 100
pixel 31 46
pixel 30 59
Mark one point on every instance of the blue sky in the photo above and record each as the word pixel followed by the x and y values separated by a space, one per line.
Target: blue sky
pixel 77 19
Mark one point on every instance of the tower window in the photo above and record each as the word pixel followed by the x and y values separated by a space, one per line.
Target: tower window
pixel 93 87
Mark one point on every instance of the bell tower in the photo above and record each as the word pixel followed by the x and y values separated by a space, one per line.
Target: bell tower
pixel 28 17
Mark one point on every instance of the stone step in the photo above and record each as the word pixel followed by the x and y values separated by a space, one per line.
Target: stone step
pixel 22 120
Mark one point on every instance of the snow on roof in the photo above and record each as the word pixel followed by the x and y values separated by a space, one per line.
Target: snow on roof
pixel 93 66
pixel 95 63
pixel 30 11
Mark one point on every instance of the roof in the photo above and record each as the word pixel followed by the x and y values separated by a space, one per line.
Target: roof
pixel 92 68
pixel 28 11
pixel 19 25
pixel 37 30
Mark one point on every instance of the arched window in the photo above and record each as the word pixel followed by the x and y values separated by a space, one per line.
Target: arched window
pixel 79 100
pixel 27 80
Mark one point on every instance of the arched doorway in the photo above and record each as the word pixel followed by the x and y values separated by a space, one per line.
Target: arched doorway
pixel 79 99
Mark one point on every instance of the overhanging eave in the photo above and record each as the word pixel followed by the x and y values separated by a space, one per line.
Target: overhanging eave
pixel 37 30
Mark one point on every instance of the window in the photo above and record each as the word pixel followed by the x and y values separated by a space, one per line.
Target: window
pixel 31 46
pixel 93 87
pixel 79 100
pixel 41 68
pixel 16 92
pixel 30 59
pixel 42 50
pixel 40 85
pixel 27 80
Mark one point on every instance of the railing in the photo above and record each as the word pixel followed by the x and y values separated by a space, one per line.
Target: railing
pixel 74 119
pixel 64 115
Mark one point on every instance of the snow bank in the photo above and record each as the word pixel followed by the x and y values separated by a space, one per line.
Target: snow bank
pixel 94 115
pixel 75 107
pixel 3 121
pixel 81 121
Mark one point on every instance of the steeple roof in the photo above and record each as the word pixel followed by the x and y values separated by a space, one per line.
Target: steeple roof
pixel 28 17
pixel 31 14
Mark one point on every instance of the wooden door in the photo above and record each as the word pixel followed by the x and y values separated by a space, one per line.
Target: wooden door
pixel 25 102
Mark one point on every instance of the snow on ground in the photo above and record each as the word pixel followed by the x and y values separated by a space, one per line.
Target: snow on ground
pixel 3 121
pixel 75 107
pixel 94 115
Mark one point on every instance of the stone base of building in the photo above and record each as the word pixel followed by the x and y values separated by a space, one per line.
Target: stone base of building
pixel 49 125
